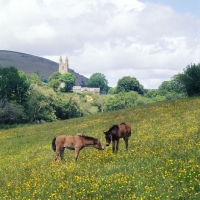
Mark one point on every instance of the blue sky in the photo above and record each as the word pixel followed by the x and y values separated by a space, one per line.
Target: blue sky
pixel 151 40
pixel 181 6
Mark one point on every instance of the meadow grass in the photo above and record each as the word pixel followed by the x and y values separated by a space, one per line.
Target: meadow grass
pixel 163 160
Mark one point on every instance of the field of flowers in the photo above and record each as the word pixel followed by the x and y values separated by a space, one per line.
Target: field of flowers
pixel 163 160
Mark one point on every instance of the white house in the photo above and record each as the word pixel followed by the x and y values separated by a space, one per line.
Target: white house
pixel 85 89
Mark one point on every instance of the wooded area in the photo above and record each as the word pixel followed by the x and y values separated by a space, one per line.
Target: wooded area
pixel 25 98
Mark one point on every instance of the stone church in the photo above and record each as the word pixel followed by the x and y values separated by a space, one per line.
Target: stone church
pixel 64 68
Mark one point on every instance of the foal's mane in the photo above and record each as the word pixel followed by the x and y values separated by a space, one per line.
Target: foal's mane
pixel 113 127
pixel 87 137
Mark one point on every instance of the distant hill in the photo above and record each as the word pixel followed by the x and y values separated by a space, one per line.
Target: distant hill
pixel 34 64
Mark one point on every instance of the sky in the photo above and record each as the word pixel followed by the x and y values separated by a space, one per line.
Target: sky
pixel 150 40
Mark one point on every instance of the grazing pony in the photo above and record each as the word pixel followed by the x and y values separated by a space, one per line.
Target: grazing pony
pixel 76 143
pixel 116 132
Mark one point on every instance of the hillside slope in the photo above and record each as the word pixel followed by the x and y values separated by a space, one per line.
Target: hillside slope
pixel 163 160
pixel 34 64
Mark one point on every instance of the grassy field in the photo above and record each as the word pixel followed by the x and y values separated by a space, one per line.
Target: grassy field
pixel 163 160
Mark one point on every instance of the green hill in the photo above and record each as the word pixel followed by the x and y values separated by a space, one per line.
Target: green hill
pixel 34 64
pixel 163 160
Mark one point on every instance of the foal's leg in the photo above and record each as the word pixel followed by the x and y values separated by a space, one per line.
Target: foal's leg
pixel 113 145
pixel 56 155
pixel 126 142
pixel 62 155
pixel 117 145
pixel 76 155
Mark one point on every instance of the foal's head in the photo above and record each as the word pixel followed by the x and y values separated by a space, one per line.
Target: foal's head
pixel 108 138
pixel 111 134
pixel 94 142
pixel 98 145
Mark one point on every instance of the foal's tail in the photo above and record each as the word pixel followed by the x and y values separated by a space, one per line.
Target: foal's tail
pixel 54 144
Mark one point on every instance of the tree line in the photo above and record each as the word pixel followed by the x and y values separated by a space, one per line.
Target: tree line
pixel 25 98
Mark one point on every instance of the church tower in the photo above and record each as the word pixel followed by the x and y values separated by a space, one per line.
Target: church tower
pixel 63 66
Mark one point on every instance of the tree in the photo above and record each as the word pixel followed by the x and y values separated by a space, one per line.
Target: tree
pixel 73 110
pixel 112 90
pixel 55 84
pixel 166 85
pixel 127 84
pixel 34 78
pixel 41 104
pixel 10 112
pixel 98 80
pixel 122 100
pixel 98 101
pixel 190 79
pixel 68 106
pixel 68 80
pixel 169 90
pixel 55 75
pixel 166 91
pixel 14 85
pixel 64 81
pixel 174 85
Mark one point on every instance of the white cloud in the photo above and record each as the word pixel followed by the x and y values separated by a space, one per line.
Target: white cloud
pixel 117 38
pixel 37 32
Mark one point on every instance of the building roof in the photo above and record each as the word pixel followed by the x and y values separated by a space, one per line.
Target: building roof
pixel 85 89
